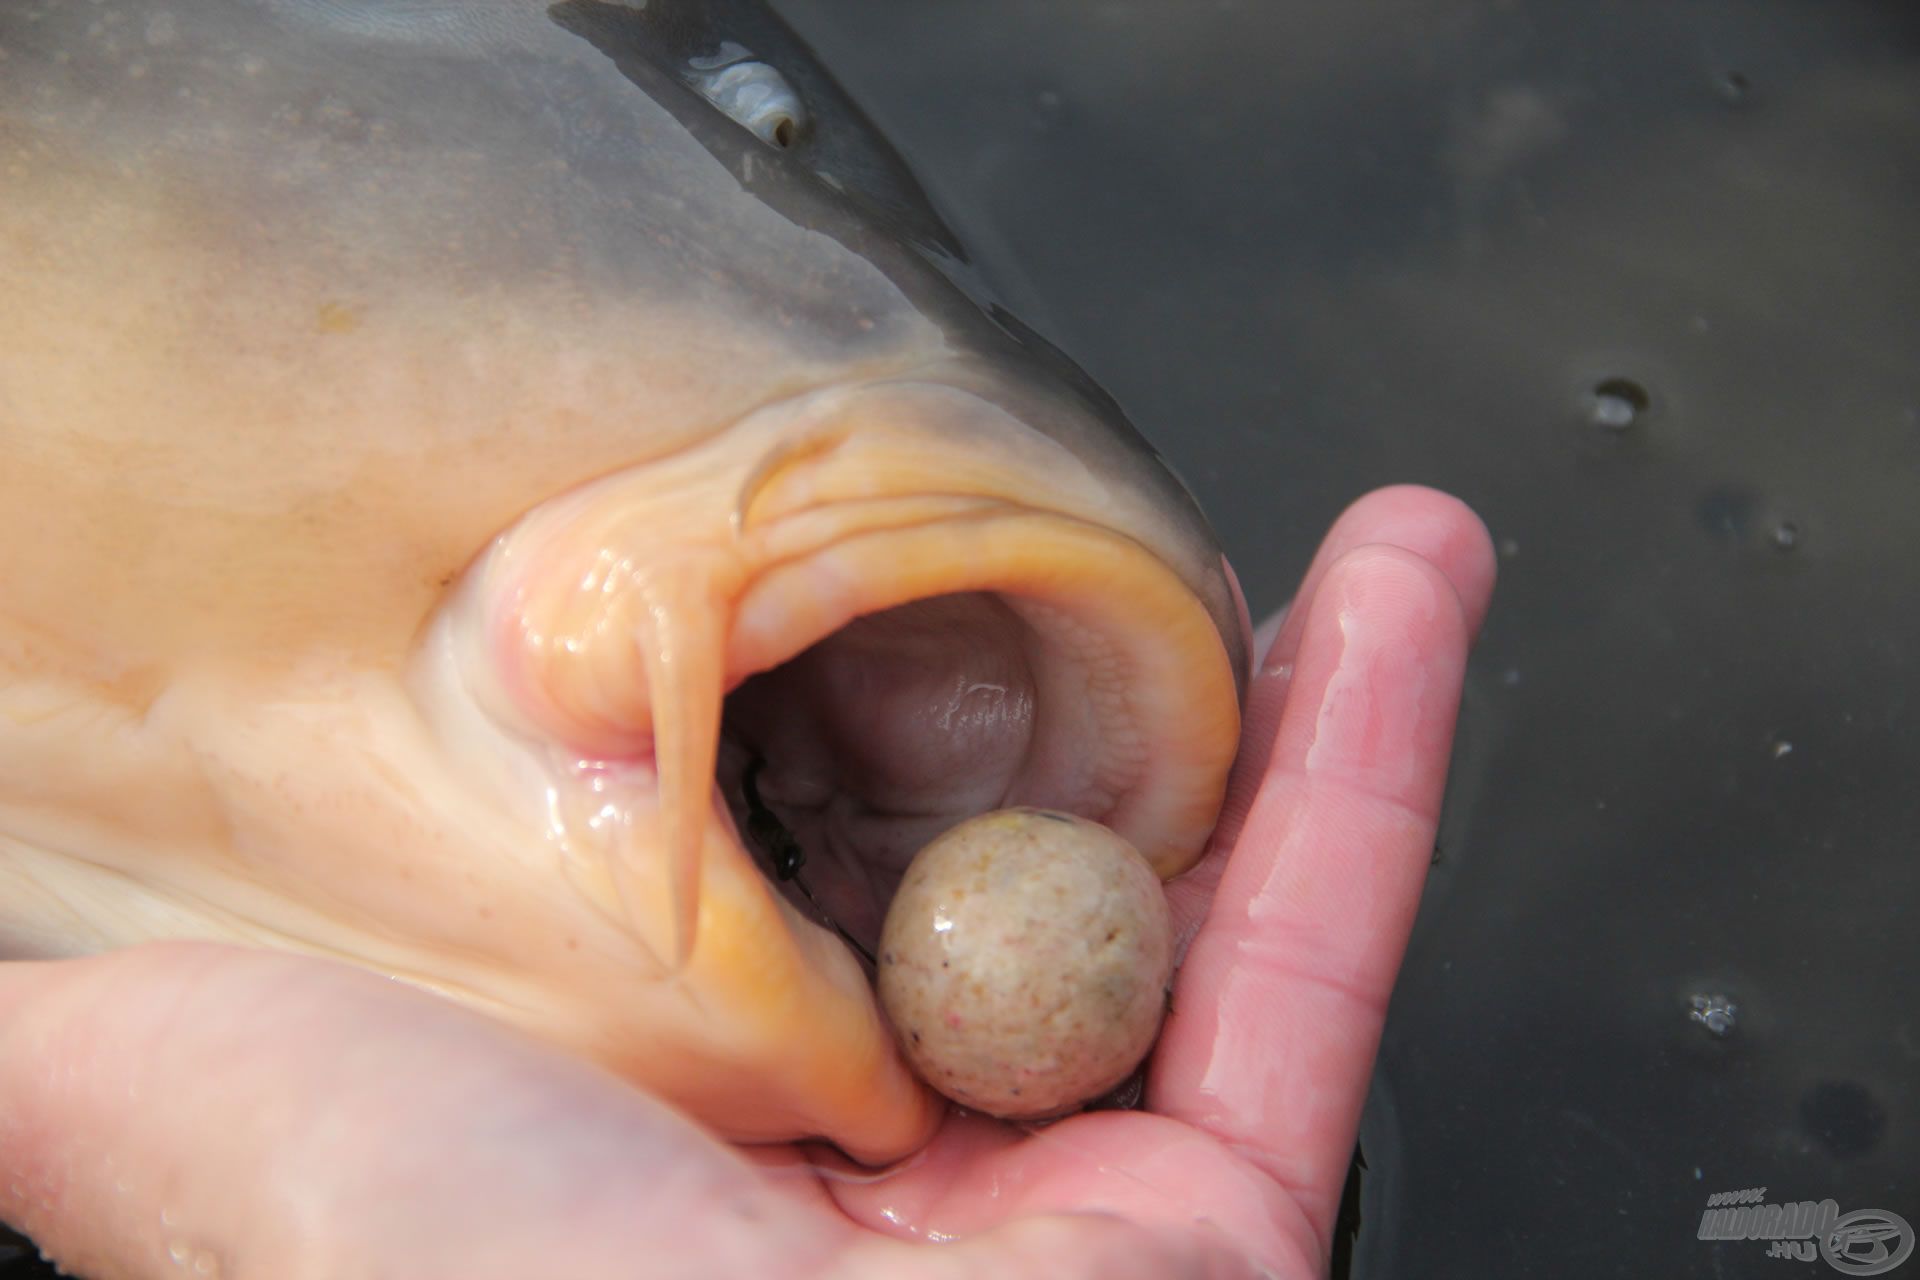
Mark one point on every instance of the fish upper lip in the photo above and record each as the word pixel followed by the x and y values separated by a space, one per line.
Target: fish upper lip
pixel 947 432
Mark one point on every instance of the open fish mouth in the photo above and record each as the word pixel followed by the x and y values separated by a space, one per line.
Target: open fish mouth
pixel 738 688
pixel 990 686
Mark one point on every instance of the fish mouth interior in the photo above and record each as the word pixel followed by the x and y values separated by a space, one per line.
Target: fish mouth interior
pixel 840 764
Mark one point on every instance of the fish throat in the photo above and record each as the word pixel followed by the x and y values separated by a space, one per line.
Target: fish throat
pixel 839 765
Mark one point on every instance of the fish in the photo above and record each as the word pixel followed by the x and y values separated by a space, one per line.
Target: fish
pixel 529 499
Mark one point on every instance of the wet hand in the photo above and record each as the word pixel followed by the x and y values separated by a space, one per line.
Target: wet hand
pixel 193 1110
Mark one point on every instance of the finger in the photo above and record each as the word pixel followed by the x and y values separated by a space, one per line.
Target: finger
pixel 194 1110
pixel 1277 1011
pixel 1435 526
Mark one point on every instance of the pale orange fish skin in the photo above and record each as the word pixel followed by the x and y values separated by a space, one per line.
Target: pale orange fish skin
pixel 337 335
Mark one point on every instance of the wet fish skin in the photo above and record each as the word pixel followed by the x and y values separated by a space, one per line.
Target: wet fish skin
pixel 321 314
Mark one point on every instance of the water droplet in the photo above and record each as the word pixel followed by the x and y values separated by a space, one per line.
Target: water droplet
pixel 1510 677
pixel 1786 535
pixel 1714 1012
pixel 1617 403
pixel 1735 88
pixel 1781 749
pixel 1509 548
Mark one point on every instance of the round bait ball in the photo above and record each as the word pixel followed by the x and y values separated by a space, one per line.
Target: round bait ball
pixel 1024 962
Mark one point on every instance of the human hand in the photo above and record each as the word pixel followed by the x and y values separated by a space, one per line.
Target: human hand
pixel 188 1110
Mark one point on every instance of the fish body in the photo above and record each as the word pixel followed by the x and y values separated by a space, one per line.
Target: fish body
pixel 440 453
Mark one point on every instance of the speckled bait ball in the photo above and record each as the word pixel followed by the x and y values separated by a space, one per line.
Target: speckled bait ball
pixel 1024 962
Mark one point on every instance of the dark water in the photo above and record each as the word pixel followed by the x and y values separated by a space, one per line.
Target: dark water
pixel 1642 283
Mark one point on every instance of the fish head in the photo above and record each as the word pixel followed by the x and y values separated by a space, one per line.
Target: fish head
pixel 478 513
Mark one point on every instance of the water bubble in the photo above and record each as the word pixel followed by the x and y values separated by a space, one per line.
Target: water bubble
pixel 1786 535
pixel 1617 403
pixel 1714 1012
